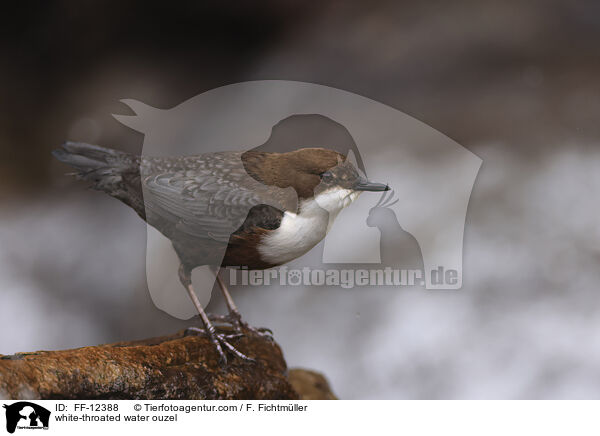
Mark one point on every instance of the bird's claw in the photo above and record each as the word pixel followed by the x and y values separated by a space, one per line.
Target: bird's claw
pixel 241 327
pixel 221 341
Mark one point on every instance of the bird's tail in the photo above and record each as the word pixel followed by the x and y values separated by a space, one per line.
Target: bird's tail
pixel 100 165
pixel 115 172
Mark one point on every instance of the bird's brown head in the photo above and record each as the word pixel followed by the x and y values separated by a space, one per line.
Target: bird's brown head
pixel 307 170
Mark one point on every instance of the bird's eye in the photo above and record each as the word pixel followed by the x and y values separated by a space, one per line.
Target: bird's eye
pixel 326 176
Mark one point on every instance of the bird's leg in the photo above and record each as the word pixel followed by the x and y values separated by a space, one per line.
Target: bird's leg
pixel 234 316
pixel 219 340
pixel 234 313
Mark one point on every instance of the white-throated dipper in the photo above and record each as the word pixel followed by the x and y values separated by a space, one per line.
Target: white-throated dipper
pixel 229 209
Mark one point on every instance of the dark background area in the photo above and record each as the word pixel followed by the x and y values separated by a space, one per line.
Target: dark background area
pixel 515 82
pixel 63 61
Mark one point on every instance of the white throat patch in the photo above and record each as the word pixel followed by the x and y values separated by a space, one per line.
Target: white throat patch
pixel 298 233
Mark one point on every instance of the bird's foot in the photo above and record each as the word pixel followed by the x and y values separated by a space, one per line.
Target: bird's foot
pixel 221 342
pixel 234 319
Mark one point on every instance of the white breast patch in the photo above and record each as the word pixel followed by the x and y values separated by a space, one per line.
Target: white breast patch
pixel 298 233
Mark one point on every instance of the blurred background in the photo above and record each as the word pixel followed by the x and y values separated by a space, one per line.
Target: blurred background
pixel 516 83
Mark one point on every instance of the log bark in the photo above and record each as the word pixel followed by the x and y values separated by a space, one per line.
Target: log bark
pixel 169 367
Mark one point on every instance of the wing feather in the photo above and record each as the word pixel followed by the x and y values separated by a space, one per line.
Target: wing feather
pixel 204 196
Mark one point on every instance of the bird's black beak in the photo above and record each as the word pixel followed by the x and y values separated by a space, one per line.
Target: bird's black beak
pixel 365 185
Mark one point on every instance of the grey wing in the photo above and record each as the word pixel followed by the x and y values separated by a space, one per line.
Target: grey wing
pixel 209 202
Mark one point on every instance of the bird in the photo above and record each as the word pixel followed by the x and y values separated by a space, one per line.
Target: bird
pixel 249 209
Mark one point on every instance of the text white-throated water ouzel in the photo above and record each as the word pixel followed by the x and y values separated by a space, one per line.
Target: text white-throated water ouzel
pixel 240 209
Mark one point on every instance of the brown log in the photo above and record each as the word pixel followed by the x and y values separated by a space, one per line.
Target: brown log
pixel 168 367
